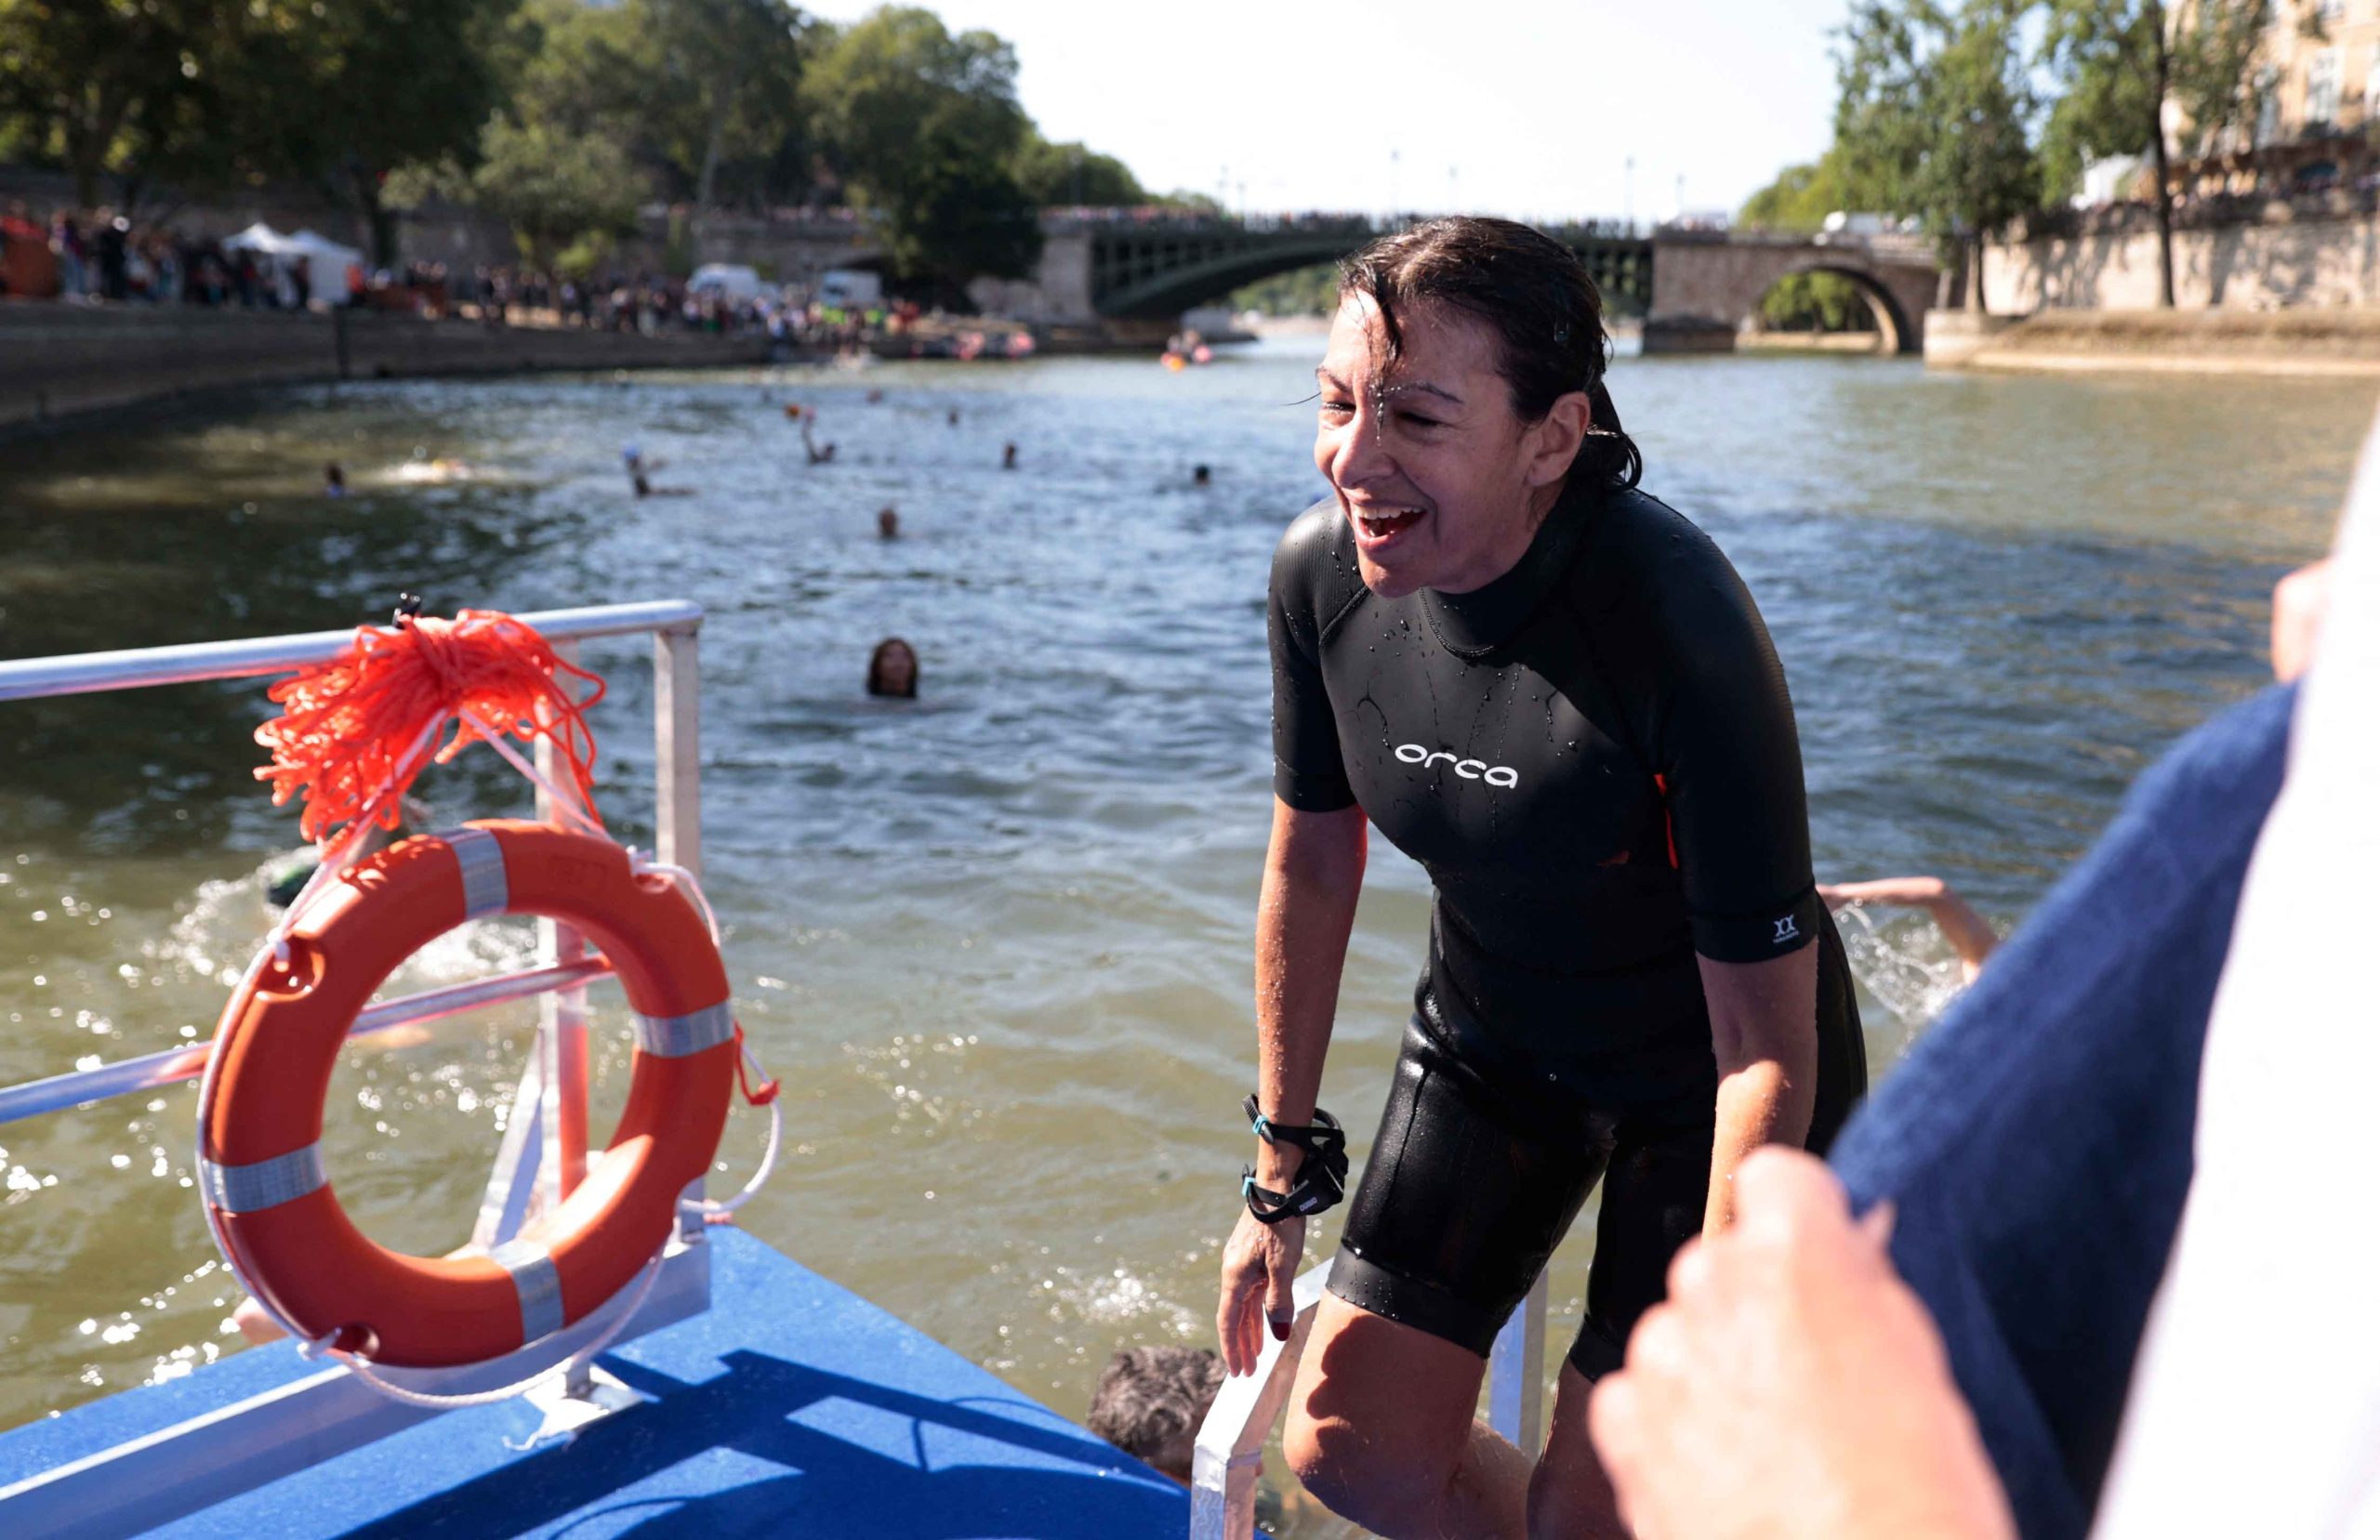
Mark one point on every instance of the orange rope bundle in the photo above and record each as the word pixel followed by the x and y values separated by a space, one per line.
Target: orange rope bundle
pixel 347 726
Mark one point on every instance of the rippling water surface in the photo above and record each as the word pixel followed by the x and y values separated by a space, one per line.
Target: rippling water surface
pixel 997 940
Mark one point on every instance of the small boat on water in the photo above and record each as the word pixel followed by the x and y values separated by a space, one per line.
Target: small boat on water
pixel 737 1391
pixel 731 1390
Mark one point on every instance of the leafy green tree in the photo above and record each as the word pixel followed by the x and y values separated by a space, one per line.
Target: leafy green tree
pixel 555 189
pixel 924 126
pixel 109 88
pixel 2117 64
pixel 1070 175
pixel 1802 196
pixel 1935 99
pixel 704 94
pixel 353 91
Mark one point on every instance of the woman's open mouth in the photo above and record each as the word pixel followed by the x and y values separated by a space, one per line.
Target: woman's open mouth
pixel 1377 524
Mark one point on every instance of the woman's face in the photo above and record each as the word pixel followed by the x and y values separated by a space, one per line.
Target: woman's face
pixel 1442 481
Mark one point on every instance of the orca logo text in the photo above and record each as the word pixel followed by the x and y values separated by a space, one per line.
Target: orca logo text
pixel 1470 769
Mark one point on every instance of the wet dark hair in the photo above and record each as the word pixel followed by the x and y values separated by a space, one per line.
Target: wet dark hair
pixel 1150 1402
pixel 877 683
pixel 1534 293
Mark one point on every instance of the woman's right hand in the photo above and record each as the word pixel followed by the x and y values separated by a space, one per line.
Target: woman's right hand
pixel 1260 1266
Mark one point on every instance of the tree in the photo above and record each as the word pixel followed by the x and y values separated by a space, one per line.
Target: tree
pixel 353 91
pixel 925 128
pixel 553 188
pixel 108 88
pixel 2118 64
pixel 1072 175
pixel 1932 116
pixel 1802 196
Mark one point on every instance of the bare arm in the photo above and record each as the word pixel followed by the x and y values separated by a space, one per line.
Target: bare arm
pixel 1969 933
pixel 1764 1034
pixel 1314 871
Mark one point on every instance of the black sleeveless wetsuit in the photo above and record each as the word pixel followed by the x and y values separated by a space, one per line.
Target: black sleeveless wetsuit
pixel 1594 757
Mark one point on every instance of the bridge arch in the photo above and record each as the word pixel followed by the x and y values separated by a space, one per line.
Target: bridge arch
pixel 1896 330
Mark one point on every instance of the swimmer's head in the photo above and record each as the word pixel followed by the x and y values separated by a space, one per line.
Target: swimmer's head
pixel 1200 476
pixel 1151 1401
pixel 892 669
pixel 888 524
pixel 1462 391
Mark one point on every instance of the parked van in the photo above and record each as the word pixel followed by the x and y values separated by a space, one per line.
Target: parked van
pixel 727 279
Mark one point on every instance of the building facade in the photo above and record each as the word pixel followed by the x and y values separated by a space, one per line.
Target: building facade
pixel 2315 105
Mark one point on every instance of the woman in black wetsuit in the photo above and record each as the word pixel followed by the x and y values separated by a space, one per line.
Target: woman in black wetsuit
pixel 1555 693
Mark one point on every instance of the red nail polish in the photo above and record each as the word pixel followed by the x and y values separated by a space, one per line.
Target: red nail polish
pixel 1280 1330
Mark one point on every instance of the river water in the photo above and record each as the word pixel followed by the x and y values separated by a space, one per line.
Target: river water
pixel 997 940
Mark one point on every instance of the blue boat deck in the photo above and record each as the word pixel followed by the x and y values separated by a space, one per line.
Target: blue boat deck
pixel 792 1408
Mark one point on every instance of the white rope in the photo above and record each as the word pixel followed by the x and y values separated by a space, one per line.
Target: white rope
pixel 362 1368
pixel 687 883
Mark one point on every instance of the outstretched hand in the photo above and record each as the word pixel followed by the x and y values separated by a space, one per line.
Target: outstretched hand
pixel 1793 1384
pixel 1259 1267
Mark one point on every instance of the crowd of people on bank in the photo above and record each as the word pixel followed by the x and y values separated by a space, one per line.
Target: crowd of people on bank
pixel 105 256
pixel 101 254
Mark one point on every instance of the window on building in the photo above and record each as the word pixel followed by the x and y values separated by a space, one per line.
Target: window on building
pixel 2322 88
pixel 2330 11
pixel 2372 84
pixel 2268 108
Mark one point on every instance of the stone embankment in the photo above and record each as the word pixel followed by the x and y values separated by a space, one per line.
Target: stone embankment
pixel 65 360
pixel 2312 341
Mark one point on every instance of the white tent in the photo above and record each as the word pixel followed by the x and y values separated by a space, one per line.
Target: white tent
pixel 260 238
pixel 327 262
pixel 328 256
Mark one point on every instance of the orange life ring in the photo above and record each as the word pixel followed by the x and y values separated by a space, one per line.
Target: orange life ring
pixel 260 1153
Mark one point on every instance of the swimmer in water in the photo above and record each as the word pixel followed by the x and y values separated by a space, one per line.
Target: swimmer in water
pixel 1008 456
pixel 819 454
pixel 888 524
pixel 1201 477
pixel 1555 692
pixel 334 480
pixel 1970 934
pixel 893 670
pixel 953 419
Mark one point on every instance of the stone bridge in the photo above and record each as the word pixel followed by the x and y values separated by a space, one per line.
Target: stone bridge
pixel 1707 284
pixel 1129 277
pixel 1694 289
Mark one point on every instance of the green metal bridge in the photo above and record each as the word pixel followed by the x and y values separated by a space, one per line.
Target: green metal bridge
pixel 1153 269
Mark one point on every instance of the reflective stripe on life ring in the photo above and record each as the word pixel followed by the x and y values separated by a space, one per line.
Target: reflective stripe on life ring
pixel 261 1166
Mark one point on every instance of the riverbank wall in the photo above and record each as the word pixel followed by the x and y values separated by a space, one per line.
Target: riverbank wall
pixel 2305 342
pixel 2322 251
pixel 69 364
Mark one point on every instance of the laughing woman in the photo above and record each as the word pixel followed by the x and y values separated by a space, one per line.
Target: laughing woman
pixel 1555 692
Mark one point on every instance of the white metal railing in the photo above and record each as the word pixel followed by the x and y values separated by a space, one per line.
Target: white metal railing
pixel 1230 1452
pixel 146 1481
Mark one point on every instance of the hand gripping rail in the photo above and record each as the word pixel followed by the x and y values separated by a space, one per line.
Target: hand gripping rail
pixel 1230 1441
pixel 138 1485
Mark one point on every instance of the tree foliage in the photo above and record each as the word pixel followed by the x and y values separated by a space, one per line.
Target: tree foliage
pixel 1932 118
pixel 1802 196
pixel 111 88
pixel 715 104
pixel 555 189
pixel 1070 175
pixel 924 126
